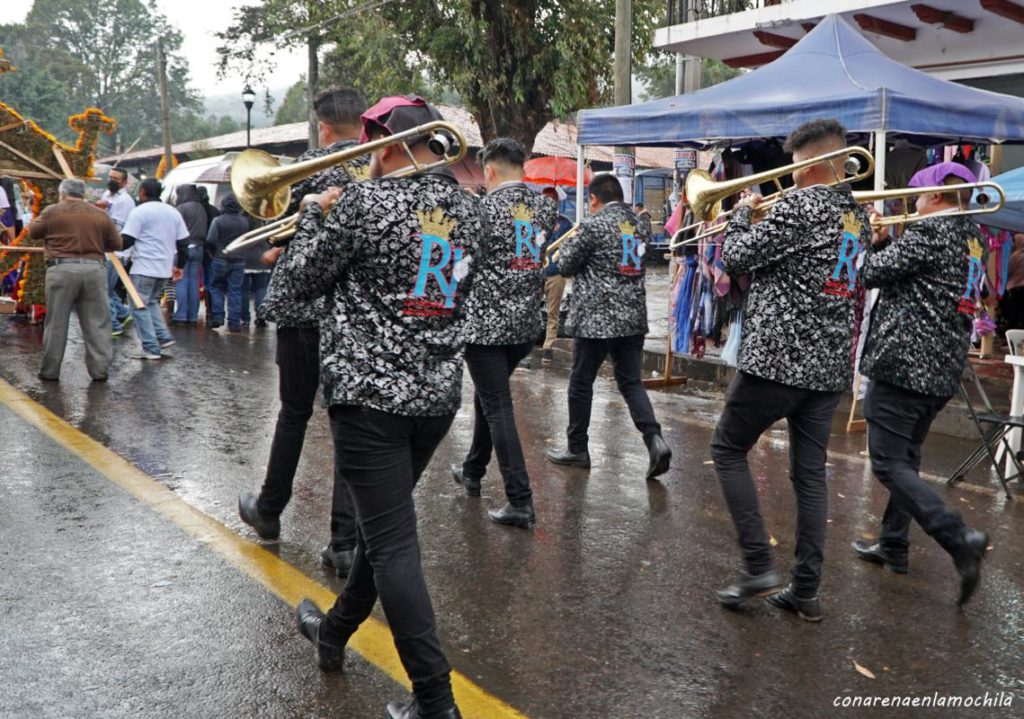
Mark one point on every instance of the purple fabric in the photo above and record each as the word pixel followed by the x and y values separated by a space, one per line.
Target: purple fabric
pixel 936 175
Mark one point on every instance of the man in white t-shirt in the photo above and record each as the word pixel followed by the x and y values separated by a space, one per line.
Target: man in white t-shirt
pixel 153 231
pixel 118 204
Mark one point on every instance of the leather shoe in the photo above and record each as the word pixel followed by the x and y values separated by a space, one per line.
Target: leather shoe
pixel 523 517
pixel 974 545
pixel 411 710
pixel 266 527
pixel 875 553
pixel 472 485
pixel 570 459
pixel 661 455
pixel 805 608
pixel 748 585
pixel 309 618
pixel 340 560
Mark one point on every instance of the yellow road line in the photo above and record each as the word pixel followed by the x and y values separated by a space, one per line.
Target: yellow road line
pixel 373 640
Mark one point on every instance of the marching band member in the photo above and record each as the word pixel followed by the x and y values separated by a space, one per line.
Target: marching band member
pixel 930 282
pixel 392 259
pixel 298 349
pixel 608 317
pixel 504 320
pixel 794 359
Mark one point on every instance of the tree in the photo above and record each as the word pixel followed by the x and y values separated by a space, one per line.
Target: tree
pixel 520 63
pixel 96 53
pixel 659 75
pixel 293 106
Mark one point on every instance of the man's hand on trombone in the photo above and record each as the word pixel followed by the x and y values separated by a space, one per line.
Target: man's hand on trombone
pixel 325 199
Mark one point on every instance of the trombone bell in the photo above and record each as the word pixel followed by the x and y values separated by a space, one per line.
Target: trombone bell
pixel 249 173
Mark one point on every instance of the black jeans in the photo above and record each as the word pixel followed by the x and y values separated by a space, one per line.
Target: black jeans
pixel 382 456
pixel 752 405
pixel 898 422
pixel 494 422
pixel 298 366
pixel 587 357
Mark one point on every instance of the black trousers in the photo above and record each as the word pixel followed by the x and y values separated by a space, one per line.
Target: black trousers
pixel 382 456
pixel 752 405
pixel 898 422
pixel 494 422
pixel 298 366
pixel 587 357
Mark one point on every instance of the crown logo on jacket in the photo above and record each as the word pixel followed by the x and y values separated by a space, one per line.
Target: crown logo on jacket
pixel 435 223
pixel 627 228
pixel 851 224
pixel 523 213
pixel 975 248
pixel 358 172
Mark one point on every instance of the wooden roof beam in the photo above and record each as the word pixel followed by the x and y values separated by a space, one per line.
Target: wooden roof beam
pixel 1005 8
pixel 756 60
pixel 885 27
pixel 949 20
pixel 773 40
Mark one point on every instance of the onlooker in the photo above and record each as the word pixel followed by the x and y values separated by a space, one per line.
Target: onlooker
pixel 75 236
pixel 1011 307
pixel 643 216
pixel 156 233
pixel 118 204
pixel 6 215
pixel 257 279
pixel 554 283
pixel 27 200
pixel 211 214
pixel 227 272
pixel 193 213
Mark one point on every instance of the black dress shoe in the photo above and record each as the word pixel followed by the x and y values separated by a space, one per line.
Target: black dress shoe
pixel 968 563
pixel 266 527
pixel 472 485
pixel 309 618
pixel 570 459
pixel 340 560
pixel 661 455
pixel 875 553
pixel 748 585
pixel 411 710
pixel 44 378
pixel 808 608
pixel 522 517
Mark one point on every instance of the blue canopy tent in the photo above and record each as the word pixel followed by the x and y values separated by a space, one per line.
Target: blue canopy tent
pixel 833 71
pixel 1011 217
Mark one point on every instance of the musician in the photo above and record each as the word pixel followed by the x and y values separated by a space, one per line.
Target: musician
pixel 607 317
pixel 930 282
pixel 794 359
pixel 503 322
pixel 298 348
pixel 393 258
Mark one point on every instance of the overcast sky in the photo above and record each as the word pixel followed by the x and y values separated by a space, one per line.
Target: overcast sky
pixel 198 20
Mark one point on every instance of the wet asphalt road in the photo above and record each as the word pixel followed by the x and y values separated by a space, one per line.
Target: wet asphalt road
pixel 604 611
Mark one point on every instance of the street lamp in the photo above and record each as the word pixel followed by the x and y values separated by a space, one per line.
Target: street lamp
pixel 248 98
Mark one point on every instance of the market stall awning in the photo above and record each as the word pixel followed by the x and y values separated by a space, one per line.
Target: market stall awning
pixel 1011 217
pixel 834 71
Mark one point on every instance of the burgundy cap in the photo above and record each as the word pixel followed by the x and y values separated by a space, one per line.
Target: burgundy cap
pixel 397 114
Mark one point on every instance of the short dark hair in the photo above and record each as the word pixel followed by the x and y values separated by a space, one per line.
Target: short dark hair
pixel 606 188
pixel 339 107
pixel 638 204
pixel 813 132
pixel 152 188
pixel 960 198
pixel 505 150
pixel 119 169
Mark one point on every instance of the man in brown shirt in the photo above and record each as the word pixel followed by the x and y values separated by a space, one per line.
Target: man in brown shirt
pixel 76 236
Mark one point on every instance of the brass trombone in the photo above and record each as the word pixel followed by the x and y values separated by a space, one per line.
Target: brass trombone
pixel 552 250
pixel 984 199
pixel 705 195
pixel 263 186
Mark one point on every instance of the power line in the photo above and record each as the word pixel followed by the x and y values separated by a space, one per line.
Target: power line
pixel 331 20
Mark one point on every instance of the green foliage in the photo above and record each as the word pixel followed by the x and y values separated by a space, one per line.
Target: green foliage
pixel 659 74
pixel 98 53
pixel 293 107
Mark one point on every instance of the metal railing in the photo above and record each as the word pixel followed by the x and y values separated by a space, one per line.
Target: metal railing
pixel 683 11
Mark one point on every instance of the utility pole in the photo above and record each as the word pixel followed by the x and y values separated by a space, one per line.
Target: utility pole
pixel 624 160
pixel 313 79
pixel 165 105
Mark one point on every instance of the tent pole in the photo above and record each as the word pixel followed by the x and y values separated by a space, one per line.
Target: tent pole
pixel 579 182
pixel 880 168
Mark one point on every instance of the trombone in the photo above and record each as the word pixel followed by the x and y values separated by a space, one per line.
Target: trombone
pixel 551 251
pixel 984 199
pixel 263 186
pixel 706 195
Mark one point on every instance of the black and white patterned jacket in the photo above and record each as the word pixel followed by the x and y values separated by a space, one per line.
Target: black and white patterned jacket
pixel 930 282
pixel 309 314
pixel 508 281
pixel 606 258
pixel 798 328
pixel 393 257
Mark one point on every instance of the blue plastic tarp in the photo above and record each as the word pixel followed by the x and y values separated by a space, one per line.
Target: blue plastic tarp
pixel 833 72
pixel 1011 217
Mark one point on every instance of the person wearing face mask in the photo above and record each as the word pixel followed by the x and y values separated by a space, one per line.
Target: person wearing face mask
pixel 118 204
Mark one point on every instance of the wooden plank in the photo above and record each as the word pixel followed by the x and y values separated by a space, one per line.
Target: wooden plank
pixel 30 160
pixel 63 162
pixel 13 125
pixel 129 286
